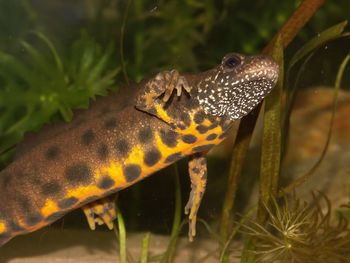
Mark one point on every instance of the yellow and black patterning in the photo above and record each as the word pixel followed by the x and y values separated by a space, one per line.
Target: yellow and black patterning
pixel 124 138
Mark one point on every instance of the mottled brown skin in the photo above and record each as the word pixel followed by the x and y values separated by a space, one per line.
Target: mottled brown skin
pixel 107 148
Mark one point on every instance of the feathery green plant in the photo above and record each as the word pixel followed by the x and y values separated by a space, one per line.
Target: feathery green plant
pixel 45 82
pixel 300 232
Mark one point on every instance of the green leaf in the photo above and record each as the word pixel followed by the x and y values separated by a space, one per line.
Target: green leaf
pixel 271 141
pixel 323 37
pixel 122 238
pixel 13 68
pixel 52 49
pixel 145 248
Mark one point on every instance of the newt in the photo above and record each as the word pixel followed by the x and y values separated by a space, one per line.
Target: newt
pixel 113 145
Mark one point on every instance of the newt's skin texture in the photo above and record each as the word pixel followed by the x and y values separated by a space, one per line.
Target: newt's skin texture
pixel 152 125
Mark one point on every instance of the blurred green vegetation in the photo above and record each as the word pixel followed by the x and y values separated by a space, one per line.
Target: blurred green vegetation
pixel 44 82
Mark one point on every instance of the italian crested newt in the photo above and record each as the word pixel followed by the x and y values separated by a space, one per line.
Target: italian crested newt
pixel 126 137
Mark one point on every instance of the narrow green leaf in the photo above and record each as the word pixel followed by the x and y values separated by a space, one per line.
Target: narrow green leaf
pixel 323 37
pixel 122 35
pixel 234 231
pixel 41 63
pixel 175 231
pixel 271 141
pixel 66 112
pixel 239 153
pixel 52 48
pixel 87 58
pixel 106 81
pixel 145 248
pixel 99 66
pixel 122 238
pixel 15 68
pixel 21 123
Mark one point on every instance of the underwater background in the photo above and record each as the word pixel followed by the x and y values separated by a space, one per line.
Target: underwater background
pixel 58 55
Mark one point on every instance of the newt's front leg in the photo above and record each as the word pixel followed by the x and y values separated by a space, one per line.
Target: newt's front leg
pixel 197 167
pixel 157 92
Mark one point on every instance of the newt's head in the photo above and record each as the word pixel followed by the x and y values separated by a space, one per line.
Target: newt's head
pixel 237 85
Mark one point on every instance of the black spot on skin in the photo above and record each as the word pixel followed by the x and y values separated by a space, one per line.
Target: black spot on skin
pixel 67 202
pixel 106 182
pixel 181 126
pixel 14 227
pixel 78 173
pixel 189 138
pixel 55 216
pixel 212 136
pixel 111 123
pixel 202 129
pixel 105 110
pixel 169 138
pixel 51 188
pixel 19 175
pixel 203 148
pixel 102 152
pixel 88 137
pixel 173 158
pixel 24 204
pixel 199 117
pixel 213 125
pixel 152 157
pixel 196 170
pixel 145 135
pixel 33 219
pixel 185 118
pixel 211 118
pixel 132 172
pixel 223 135
pixel 6 180
pixel 52 153
pixel 122 147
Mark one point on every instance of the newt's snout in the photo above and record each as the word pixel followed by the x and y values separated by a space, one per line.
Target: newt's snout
pixel 237 85
pixel 263 68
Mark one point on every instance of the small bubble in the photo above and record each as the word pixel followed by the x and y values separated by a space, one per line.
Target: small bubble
pixel 153 9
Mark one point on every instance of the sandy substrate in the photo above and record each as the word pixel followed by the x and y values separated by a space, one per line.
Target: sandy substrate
pixel 82 246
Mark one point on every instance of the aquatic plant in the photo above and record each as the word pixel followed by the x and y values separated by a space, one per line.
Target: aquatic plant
pixel 300 232
pixel 44 83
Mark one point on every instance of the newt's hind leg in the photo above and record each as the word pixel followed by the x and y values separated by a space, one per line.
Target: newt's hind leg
pixel 102 211
pixel 197 168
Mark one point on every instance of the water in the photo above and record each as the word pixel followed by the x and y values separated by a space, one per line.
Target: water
pixel 55 56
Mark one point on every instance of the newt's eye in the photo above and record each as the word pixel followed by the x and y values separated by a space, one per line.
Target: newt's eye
pixel 232 62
